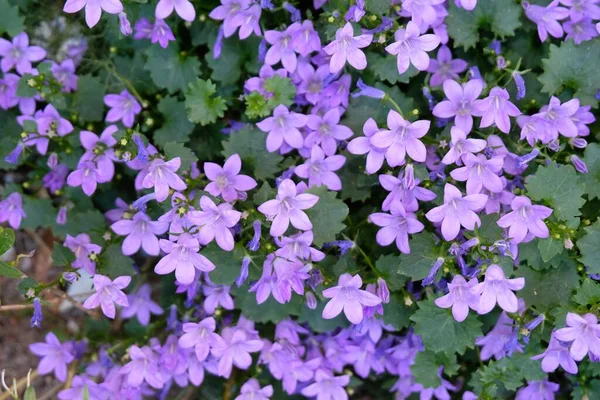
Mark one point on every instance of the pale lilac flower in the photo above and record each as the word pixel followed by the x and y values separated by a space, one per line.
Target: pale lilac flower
pixel 54 356
pixel 183 8
pixel 251 390
pixel 403 190
pixel 283 127
pixel 319 170
pixel 346 47
pixel 445 67
pixel 11 210
pixel 162 176
pixel 460 297
pixel 525 220
pixel 85 252
pixel 460 146
pixel 8 92
pixel 93 9
pixel 108 293
pixel 287 207
pixel 539 390
pixel 411 47
pixel 226 181
pixel 582 9
pixel 231 12
pixel 396 227
pixel 496 109
pixel 327 386
pixel 250 22
pixel 183 258
pixel 19 54
pixel 368 91
pixel 401 138
pixel 55 178
pixel 535 128
pixel 457 211
pixel 87 175
pixel 583 333
pixel 123 107
pixel 141 305
pixel 546 18
pixel 363 145
pixel 580 31
pixel 143 29
pixel 557 354
pixel 356 11
pixel 466 4
pixel 144 366
pixel 422 12
pixel 326 131
pixel 298 247
pixel 306 40
pixel 460 103
pixel 80 385
pixel 257 83
pixel 65 74
pixel 161 33
pixel 234 349
pixel 49 124
pixel 348 296
pixel 216 296
pixel 313 81
pixel 479 173
pixel 141 231
pixel 494 343
pixel 215 222
pixel 281 47
pixel 497 288
pixel 201 336
pixel 560 117
pixel 579 164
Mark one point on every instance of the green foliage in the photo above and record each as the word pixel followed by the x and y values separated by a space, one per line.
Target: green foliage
pixel 175 127
pixel 187 156
pixel 587 293
pixel 171 69
pixel 270 310
pixel 61 255
pixel 40 213
pixel 549 248
pixel 386 69
pixel 396 313
pixel 509 373
pixel 589 246
pixel 544 289
pixel 113 263
pixel 426 362
pixel 423 255
pixel 592 178
pixel 89 98
pixel 202 105
pixel 327 215
pixel 388 267
pixel 319 324
pixel 282 90
pixel 7 239
pixel 227 263
pixel 356 183
pixel 11 21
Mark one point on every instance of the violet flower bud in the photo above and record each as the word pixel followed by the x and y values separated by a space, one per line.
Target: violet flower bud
pixel 311 300
pixel 52 161
pixel 468 244
pixel 61 217
pixel 266 4
pixel 433 272
pixel 525 159
pixel 243 271
pixel 554 145
pixel 69 276
pixel 382 290
pixel 218 43
pixel 496 47
pixel 36 319
pixel 287 174
pixel 580 143
pixel 368 91
pixel 142 151
pixel 513 342
pixel 429 97
pixel 501 62
pixel 294 12
pixel 254 244
pixel 579 164
pixel 474 73
pixel 172 321
pixel 262 51
pixel 409 177
pixel 140 204
pixel 520 82
pixel 344 245
pixel 14 155
pixel 316 278
pixel 125 25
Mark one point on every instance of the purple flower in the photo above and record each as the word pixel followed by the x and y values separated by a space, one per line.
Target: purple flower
pixel 582 9
pixel 319 170
pixel 396 227
pixel 466 4
pixel 557 354
pixel 346 47
pixel 281 47
pixel 496 109
pixel 457 211
pixel 55 178
pixel 327 386
pixel 494 343
pixel 326 130
pixel 363 145
pixel 479 173
pixel 460 146
pixel 122 107
pixel 231 12
pixel 162 176
pixel 144 366
pixel 348 296
pixel 410 47
pixel 108 293
pixel 217 296
pixel 298 247
pixel 85 252
pixel 251 390
pixel 422 12
pixel 141 305
pixel 560 117
pixel 141 231
pixel 306 40
pixel 234 349
pixel 226 181
pixel 214 222
pixel 55 356
pixel 287 207
pixel 541 390
pixel 445 67
pixel 356 12
pixel 93 9
pixel 579 164
pixel 580 31
pixel 38 316
pixel 19 54
pixel 124 24
pixel 183 8
pixel 283 127
pixel 49 124
pixel 65 74
pixel 525 219
pixel 460 297
pixel 401 138
pixel 546 18
pixel 583 333
pixel 8 92
pixel 87 175
pixel 81 385
pixel 183 258
pixel 367 91
pixel 11 210
pixel 161 33
pixel 460 103
pixel 497 288
pixel 312 82
pixel 200 336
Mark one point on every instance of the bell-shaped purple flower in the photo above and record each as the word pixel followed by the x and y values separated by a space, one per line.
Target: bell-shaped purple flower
pixel 227 181
pixel 108 293
pixel 54 356
pixel 460 103
pixel 141 231
pixel 346 47
pixel 19 54
pixel 396 227
pixel 460 297
pixel 183 258
pixel 525 220
pixel 496 109
pixel 411 47
pixel 283 127
pixel 348 297
pixel 497 288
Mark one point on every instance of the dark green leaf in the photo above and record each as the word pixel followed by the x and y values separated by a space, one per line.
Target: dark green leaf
pixel 549 248
pixel 270 310
pixel 8 271
pixel 423 255
pixel 388 267
pixel 544 289
pixel 171 70
pixel 175 127
pixel 7 239
pixel 227 263
pixel 319 324
pixel 11 21
pixel 24 89
pixel 202 105
pixel 426 365
pixel 396 313
pixel 173 150
pixel 326 216
pixel 592 178
pixel 61 256
pixel 588 293
pixel 89 98
pixel 589 246
pixel 113 263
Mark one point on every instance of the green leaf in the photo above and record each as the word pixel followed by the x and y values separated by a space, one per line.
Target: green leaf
pixel 8 271
pixel 26 286
pixel 396 313
pixel 40 213
pixel 388 267
pixel 574 67
pixel 7 239
pixel 489 232
pixel 385 67
pixel 356 183
pixel 175 127
pixel 11 21
pixel 187 156
pixel 503 17
pixel 282 89
pixel 592 178
pixel 588 293
pixel 89 98
pixel 423 255
pixel 426 365
pixel 317 323
pixel 509 373
pixel 113 263
pixel 266 192
pixel 256 105
pixel 201 104
pixel 90 221
pixel 378 7
pixel 171 70
pixel 23 89
pixel 29 394
pixel 560 186
pixel 326 216
pixel 227 263
pixel 62 256
pixel 529 253
pixel 249 144
pixel 544 289
pixel 269 311
pixel 589 247
pixel 434 323
pixel 549 248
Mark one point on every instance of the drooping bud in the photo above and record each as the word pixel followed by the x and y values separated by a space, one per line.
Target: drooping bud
pixel 36 319
pixel 218 43
pixel 433 272
pixel 125 25
pixel 14 155
pixel 142 151
pixel 580 143
pixel 61 217
pixel 254 244
pixel 367 91
pixel 520 82
pixel 311 300
pixel 243 271
pixel 382 290
pixel 52 161
pixel 579 164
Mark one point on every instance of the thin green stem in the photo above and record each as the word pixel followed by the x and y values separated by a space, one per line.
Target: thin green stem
pixel 394 104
